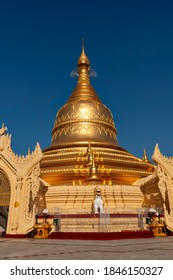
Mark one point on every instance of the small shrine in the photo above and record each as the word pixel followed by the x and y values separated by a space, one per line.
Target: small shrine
pixel 155 223
pixel 43 228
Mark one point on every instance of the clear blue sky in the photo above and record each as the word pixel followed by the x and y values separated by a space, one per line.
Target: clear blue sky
pixel 129 44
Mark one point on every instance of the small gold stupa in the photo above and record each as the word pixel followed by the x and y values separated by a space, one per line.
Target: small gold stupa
pixel 84 123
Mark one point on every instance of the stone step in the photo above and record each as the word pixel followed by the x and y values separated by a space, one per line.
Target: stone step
pixel 97 224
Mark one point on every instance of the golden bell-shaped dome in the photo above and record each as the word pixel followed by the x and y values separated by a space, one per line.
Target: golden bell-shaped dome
pixel 84 117
pixel 85 122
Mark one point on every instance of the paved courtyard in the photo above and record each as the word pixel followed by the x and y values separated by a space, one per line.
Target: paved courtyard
pixel 160 248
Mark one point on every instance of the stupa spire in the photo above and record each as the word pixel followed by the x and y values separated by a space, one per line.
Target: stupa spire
pixel 145 157
pixel 84 89
pixel 94 174
pixel 89 155
pixel 83 66
pixel 83 59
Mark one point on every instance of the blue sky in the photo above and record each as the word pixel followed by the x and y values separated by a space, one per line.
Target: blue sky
pixel 129 44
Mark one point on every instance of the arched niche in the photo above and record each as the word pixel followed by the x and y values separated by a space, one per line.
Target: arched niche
pixel 5 192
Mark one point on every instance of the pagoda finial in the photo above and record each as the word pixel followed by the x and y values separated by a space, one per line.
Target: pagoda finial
pixel 83 59
pixel 83 66
pixel 89 149
pixel 83 72
pixel 89 154
pixel 82 43
pixel 94 174
pixel 145 157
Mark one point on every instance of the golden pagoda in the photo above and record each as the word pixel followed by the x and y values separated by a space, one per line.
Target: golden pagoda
pixel 84 167
pixel 84 119
pixel 83 124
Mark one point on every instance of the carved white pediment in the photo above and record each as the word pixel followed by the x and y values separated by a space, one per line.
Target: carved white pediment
pixel 23 173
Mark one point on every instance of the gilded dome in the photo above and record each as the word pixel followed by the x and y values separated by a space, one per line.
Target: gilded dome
pixel 84 117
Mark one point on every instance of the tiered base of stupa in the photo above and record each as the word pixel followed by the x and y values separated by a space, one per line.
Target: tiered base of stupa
pixel 78 199
pixel 71 208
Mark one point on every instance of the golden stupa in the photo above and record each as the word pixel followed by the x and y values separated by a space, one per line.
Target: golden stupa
pixel 86 177
pixel 84 141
